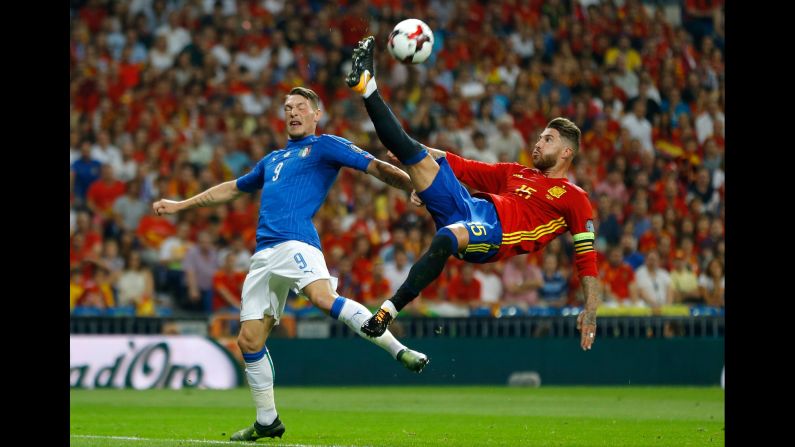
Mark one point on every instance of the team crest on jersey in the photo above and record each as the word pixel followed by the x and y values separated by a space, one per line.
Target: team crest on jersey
pixel 556 191
pixel 303 153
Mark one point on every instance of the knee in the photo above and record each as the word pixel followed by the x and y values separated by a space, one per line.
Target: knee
pixel 248 340
pixel 447 241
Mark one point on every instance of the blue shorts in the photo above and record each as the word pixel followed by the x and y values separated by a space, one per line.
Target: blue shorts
pixel 449 202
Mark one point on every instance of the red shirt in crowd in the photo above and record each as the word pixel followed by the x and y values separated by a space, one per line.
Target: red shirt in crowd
pixel 617 279
pixel 103 194
pixel 459 291
pixel 232 281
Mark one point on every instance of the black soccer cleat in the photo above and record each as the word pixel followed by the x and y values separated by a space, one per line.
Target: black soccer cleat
pixel 257 431
pixel 376 325
pixel 362 66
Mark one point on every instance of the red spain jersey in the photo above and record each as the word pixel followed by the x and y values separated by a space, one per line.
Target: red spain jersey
pixel 533 208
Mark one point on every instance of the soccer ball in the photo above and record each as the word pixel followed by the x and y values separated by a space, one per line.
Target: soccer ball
pixel 411 41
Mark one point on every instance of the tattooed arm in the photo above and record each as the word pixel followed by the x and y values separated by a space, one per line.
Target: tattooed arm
pixel 225 192
pixel 389 174
pixel 586 321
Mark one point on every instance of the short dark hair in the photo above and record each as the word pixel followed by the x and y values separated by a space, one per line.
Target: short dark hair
pixel 308 94
pixel 567 130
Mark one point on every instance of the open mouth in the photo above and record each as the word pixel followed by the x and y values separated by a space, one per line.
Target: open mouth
pixel 294 123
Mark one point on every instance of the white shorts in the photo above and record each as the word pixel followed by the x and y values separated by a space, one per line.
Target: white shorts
pixel 274 272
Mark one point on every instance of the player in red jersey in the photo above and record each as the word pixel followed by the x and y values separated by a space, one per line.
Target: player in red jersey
pixel 519 209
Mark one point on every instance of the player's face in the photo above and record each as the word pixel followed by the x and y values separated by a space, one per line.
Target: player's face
pixel 547 149
pixel 301 118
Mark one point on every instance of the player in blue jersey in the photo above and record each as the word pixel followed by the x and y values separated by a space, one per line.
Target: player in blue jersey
pixel 294 182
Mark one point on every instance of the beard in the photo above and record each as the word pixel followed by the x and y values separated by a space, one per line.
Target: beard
pixel 544 162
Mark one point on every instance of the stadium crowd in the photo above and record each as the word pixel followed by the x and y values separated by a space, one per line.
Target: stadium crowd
pixel 170 97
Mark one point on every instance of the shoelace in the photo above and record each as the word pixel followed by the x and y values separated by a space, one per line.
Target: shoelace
pixel 380 316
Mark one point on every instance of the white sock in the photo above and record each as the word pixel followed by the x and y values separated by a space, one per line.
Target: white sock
pixel 390 307
pixel 354 315
pixel 370 87
pixel 260 379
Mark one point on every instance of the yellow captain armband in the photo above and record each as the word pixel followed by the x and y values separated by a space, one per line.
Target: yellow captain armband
pixel 583 242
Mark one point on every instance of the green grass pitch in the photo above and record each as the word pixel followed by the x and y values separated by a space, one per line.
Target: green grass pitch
pixel 406 416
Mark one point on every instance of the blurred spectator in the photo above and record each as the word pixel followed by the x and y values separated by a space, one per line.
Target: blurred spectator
pixel 128 168
pixel 630 252
pixel 654 282
pixel 705 121
pixel 110 259
pixel 105 152
pixel 703 189
pixel 618 279
pixel 651 238
pixel 76 288
pixel 712 283
pixel 376 288
pixel 103 193
pixel 362 259
pixel 177 37
pixel 239 252
pixel 684 282
pixel 200 264
pixel 171 274
pixel 129 208
pixel 508 142
pixel 555 288
pixel 624 50
pixel 699 17
pixel 136 286
pixel 464 288
pixel 521 281
pixel 85 170
pixel 228 286
pixel 347 285
pixel 613 186
pixel 491 289
pixel 715 235
pixel 160 58
pixel 98 293
pixel 638 126
pixel 397 270
pixel 479 149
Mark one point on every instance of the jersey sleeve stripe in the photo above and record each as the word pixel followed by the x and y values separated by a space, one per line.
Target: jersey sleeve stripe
pixel 533 234
pixel 532 237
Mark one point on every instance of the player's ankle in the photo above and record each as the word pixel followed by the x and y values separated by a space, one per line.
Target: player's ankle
pixel 389 306
pixel 370 88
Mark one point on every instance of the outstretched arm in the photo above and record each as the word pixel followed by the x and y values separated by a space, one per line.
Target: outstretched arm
pixel 579 218
pixel 586 321
pixel 218 194
pixel 395 177
pixel 389 174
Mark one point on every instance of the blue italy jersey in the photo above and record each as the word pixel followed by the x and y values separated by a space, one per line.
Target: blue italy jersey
pixel 294 182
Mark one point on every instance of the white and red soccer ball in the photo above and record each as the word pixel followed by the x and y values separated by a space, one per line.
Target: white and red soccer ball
pixel 411 41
